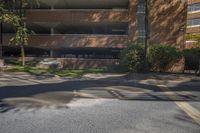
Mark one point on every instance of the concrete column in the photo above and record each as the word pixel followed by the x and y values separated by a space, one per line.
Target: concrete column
pixel 52 53
pixel 1 40
pixel 52 7
pixel 1 63
pixel 132 28
pixel 1 45
pixel 52 30
pixel 1 51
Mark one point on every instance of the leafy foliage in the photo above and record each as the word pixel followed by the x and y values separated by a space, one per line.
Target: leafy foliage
pixel 194 37
pixel 73 73
pixel 161 57
pixel 21 36
pixel 1 6
pixel 192 52
pixel 24 3
pixel 10 18
pixel 192 59
pixel 15 18
pixel 133 57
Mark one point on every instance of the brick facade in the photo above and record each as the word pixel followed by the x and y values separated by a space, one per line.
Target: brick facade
pixel 167 23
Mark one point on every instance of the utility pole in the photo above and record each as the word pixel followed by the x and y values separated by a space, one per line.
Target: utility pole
pixel 1 40
pixel 146 35
pixel 1 45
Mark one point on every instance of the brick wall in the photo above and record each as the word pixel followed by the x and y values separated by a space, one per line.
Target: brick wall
pixel 168 22
pixel 79 16
pixel 193 1
pixel 167 25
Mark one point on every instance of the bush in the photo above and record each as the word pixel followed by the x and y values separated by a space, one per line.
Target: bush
pixel 192 51
pixel 133 57
pixel 192 59
pixel 160 57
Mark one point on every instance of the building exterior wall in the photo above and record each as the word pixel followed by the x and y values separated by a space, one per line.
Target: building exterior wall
pixel 167 22
pixel 75 16
pixel 193 30
pixel 193 15
pixel 193 1
pixel 193 25
pixel 74 41
pixel 132 20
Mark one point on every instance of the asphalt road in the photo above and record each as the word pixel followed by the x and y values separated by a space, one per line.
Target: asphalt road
pixel 32 104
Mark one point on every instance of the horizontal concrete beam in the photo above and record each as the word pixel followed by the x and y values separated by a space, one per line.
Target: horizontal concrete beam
pixel 77 16
pixel 68 41
pixel 78 4
pixel 193 15
pixel 195 29
pixel 193 1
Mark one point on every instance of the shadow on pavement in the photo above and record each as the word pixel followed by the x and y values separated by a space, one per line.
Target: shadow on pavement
pixel 58 95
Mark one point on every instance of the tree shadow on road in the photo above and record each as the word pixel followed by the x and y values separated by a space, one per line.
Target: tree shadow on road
pixel 58 95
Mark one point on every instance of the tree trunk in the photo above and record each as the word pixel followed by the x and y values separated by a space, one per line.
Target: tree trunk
pixel 23 55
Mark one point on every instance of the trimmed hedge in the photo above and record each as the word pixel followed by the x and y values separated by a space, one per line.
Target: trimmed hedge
pixel 192 51
pixel 133 57
pixel 161 57
pixel 192 59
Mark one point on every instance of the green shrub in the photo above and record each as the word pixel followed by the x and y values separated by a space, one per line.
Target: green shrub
pixel 133 57
pixel 192 59
pixel 160 57
pixel 192 51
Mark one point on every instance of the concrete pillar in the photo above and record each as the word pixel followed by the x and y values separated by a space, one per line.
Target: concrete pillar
pixel 1 51
pixel 1 40
pixel 1 45
pixel 52 53
pixel 52 7
pixel 52 30
pixel 1 62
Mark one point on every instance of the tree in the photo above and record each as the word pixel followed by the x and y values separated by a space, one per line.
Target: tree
pixel 132 57
pixel 15 18
pixel 161 57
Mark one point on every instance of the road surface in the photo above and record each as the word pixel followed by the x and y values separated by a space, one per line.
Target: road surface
pixel 99 104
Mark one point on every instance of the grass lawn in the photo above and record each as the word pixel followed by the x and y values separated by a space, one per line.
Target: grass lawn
pixel 15 66
pixel 73 73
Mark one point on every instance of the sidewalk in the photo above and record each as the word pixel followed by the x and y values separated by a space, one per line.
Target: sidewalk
pixel 165 78
pixel 150 78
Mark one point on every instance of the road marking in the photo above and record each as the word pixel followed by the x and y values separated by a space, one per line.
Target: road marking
pixel 29 81
pixel 85 95
pixel 119 93
pixel 185 106
pixel 114 93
